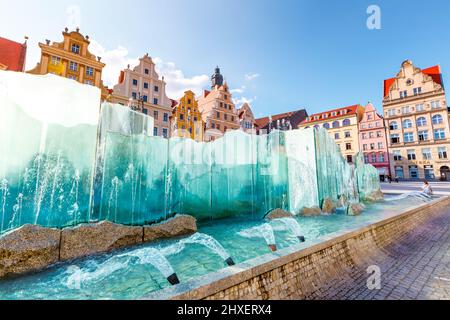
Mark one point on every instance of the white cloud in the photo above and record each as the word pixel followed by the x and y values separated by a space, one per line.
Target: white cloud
pixel 177 82
pixel 251 76
pixel 115 60
pixel 238 90
pixel 240 101
pixel 118 59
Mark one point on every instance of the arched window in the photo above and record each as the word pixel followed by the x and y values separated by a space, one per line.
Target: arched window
pixel 437 119
pixel 421 122
pixel 407 124
pixel 326 125
pixel 393 125
pixel 336 124
pixel 346 122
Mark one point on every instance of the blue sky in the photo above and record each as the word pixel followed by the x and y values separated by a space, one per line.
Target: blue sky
pixel 280 55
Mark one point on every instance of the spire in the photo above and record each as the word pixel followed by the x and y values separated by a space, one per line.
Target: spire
pixel 216 78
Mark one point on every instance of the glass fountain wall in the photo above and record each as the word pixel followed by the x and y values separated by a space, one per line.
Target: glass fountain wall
pixel 65 162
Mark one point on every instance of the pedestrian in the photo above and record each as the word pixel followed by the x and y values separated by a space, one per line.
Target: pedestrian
pixel 389 178
pixel 426 188
pixel 396 178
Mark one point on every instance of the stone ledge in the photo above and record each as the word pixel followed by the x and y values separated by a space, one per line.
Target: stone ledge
pixel 180 225
pixel 29 248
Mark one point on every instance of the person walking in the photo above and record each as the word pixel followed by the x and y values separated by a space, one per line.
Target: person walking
pixel 426 188
pixel 396 178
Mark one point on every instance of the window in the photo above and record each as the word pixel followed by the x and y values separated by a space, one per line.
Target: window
pixel 407 124
pixel 417 91
pixel 435 104
pixel 379 135
pixel 349 159
pixel 145 85
pixel 364 136
pixel 72 77
pixel 225 97
pixel 189 101
pixel 144 98
pixel 346 122
pixel 380 145
pixel 413 172
pixel 134 95
pixel 437 119
pixel 439 134
pixel 146 71
pixel 442 152
pixel 372 146
pixel 411 154
pixel 218 115
pixel 155 131
pixel 348 146
pixel 164 132
pixel 155 101
pixel 370 135
pixel 397 155
pixel 374 158
pixel 89 82
pixel 364 147
pixel 429 172
pixel 336 124
pixel 56 60
pixel 381 157
pixel 155 115
pixel 326 125
pixel 423 135
pixel 347 134
pixel 165 117
pixel 391 112
pixel 73 66
pixel 75 48
pixel 369 117
pixel 89 71
pixel 225 117
pixel 156 89
pixel 421 122
pixel 363 126
pixel 366 158
pixel 393 125
pixel 145 111
pixel 419 107
pixel 336 135
pixel 135 82
pixel 399 172
pixel 426 154
pixel 232 118
pixel 395 138
pixel 408 137
pixel 213 125
pixel 403 94
pixel 181 116
pixel 405 109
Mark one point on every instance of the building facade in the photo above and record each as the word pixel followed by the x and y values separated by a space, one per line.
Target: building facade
pixel 186 119
pixel 12 55
pixel 417 121
pixel 141 89
pixel 217 108
pixel 246 118
pixel 281 121
pixel 373 141
pixel 342 124
pixel 71 59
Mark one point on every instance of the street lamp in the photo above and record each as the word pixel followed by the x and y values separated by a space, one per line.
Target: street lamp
pixel 140 103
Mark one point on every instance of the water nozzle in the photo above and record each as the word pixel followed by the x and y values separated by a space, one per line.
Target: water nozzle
pixel 273 247
pixel 301 238
pixel 173 279
pixel 230 261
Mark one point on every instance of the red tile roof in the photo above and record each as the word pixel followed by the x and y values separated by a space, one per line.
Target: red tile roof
pixel 294 117
pixel 434 72
pixel 13 54
pixel 350 111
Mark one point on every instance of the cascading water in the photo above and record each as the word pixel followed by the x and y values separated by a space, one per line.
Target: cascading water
pixel 414 194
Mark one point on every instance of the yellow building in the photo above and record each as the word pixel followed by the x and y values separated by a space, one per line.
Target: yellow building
pixel 71 59
pixel 186 120
pixel 342 125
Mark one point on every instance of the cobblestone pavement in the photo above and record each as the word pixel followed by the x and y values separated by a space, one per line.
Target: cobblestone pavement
pixel 415 267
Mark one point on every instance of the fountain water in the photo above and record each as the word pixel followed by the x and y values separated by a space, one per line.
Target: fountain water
pixel 264 231
pixel 291 225
pixel 415 194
